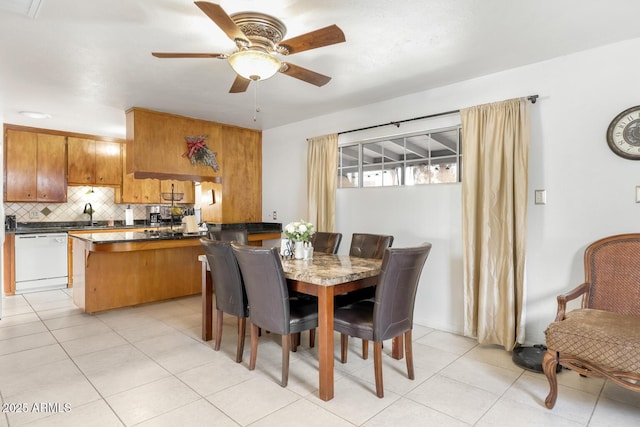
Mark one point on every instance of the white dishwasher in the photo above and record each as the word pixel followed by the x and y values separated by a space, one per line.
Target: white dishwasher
pixel 41 262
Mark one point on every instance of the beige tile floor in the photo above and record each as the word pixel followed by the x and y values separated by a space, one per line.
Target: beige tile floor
pixel 146 366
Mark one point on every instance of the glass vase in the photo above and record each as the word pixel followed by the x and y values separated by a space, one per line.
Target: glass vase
pixel 298 250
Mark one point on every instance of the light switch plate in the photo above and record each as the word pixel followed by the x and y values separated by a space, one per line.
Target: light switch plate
pixel 637 193
pixel 540 197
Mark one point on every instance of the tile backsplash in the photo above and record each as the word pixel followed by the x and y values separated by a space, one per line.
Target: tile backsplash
pixel 101 200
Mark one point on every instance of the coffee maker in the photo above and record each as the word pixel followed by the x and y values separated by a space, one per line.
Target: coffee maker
pixel 155 218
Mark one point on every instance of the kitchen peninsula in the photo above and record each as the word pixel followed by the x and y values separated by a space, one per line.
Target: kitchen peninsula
pixel 120 269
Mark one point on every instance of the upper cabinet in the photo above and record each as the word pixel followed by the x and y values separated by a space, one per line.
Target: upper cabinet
pixel 150 190
pixel 183 191
pixel 35 167
pixel 238 195
pixel 156 147
pixel 93 162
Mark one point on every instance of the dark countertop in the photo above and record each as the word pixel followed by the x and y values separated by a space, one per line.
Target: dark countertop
pixel 65 226
pixel 57 227
pixel 251 227
pixel 134 236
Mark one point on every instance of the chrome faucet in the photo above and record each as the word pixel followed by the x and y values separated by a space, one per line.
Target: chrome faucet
pixel 90 212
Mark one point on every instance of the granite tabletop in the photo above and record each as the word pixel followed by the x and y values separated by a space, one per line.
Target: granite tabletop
pixel 326 269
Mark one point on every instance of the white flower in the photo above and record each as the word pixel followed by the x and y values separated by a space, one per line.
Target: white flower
pixel 299 231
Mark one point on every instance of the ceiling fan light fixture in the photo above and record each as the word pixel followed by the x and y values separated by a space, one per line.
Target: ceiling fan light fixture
pixel 254 64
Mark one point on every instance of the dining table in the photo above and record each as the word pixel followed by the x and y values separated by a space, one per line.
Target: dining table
pixel 323 276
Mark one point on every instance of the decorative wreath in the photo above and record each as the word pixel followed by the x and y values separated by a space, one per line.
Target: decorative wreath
pixel 199 153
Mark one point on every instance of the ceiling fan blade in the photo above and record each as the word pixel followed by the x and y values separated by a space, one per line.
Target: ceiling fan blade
pixel 240 84
pixel 187 55
pixel 217 14
pixel 323 37
pixel 305 75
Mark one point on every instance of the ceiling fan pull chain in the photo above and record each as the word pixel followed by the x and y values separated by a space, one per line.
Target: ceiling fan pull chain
pixel 255 100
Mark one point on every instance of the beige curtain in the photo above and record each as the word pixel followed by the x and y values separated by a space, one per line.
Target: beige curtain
pixel 322 172
pixel 495 152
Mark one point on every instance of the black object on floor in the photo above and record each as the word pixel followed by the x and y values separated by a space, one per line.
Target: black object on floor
pixel 530 358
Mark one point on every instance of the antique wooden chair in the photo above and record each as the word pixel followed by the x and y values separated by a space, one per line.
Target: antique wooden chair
pixel 602 336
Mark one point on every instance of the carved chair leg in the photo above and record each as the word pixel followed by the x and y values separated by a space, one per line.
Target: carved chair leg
pixel 365 349
pixel 344 347
pixel 242 329
pixel 219 315
pixel 377 367
pixel 286 344
pixel 549 365
pixel 254 346
pixel 408 349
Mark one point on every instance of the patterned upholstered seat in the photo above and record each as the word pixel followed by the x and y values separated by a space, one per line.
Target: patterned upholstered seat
pixel 602 337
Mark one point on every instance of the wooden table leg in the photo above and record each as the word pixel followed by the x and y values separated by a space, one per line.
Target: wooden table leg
pixel 397 347
pixel 325 341
pixel 207 304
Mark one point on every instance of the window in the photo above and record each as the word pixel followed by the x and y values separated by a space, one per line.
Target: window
pixel 421 158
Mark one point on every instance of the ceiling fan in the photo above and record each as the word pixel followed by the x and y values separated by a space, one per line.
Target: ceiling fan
pixel 258 38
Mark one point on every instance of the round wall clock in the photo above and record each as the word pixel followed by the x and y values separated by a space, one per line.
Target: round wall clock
pixel 623 134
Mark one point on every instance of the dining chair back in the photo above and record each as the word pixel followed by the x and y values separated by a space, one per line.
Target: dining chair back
pixel 230 294
pixel 365 245
pixel 326 242
pixel 240 236
pixel 269 305
pixel 391 313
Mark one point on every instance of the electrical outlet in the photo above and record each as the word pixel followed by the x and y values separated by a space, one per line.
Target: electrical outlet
pixel 33 214
pixel 275 215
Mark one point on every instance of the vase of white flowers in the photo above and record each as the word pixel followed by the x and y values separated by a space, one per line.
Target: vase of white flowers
pixel 299 232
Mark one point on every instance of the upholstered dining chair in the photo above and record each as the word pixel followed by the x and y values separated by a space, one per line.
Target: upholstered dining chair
pixel 391 313
pixel 365 245
pixel 326 242
pixel 230 294
pixel 269 305
pixel 240 236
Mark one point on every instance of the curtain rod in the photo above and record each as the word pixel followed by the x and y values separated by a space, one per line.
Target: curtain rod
pixel 532 98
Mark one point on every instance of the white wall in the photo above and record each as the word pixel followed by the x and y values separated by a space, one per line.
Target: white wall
pixel 590 191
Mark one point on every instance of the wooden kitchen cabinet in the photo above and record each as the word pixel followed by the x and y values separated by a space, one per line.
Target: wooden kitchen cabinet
pixel 187 188
pixel 93 162
pixel 133 190
pixel 9 264
pixel 238 195
pixel 35 167
pixel 149 190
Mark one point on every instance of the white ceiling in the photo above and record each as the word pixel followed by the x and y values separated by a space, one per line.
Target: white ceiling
pixel 86 61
